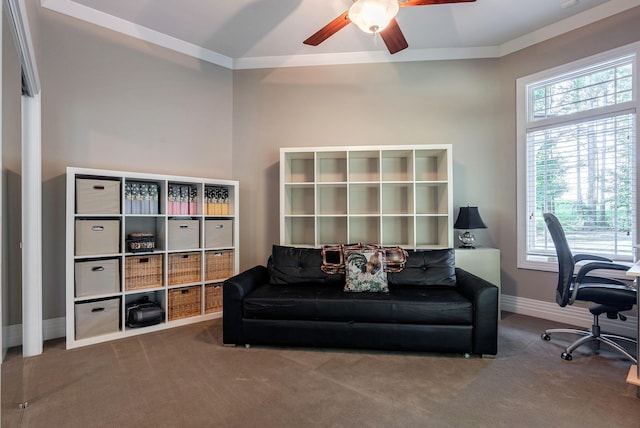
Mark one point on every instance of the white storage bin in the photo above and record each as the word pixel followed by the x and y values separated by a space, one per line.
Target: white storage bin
pixel 218 233
pixel 95 277
pixel 95 196
pixel 97 317
pixel 184 234
pixel 97 236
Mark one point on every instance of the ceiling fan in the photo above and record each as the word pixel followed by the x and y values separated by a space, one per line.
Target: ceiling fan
pixel 376 17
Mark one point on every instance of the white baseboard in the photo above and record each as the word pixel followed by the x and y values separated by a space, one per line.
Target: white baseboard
pixel 571 315
pixel 51 329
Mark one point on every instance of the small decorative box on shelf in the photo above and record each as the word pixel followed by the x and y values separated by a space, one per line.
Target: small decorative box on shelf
pixel 139 242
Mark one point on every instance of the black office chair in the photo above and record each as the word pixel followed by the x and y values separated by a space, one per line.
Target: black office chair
pixel 612 296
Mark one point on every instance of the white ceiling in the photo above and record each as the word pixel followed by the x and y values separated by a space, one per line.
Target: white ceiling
pixel 241 34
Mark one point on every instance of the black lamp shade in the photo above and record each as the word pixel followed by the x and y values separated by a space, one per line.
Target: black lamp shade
pixel 469 218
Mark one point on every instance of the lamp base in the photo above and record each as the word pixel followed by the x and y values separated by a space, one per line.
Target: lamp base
pixel 466 240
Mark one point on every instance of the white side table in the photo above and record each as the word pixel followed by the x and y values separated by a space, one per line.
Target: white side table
pixel 483 262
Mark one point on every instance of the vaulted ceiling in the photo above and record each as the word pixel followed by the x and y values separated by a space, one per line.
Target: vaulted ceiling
pixel 269 33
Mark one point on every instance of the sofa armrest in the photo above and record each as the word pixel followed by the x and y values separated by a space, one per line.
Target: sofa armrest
pixel 233 292
pixel 484 296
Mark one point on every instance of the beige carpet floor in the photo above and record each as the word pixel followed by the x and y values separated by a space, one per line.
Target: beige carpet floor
pixel 184 377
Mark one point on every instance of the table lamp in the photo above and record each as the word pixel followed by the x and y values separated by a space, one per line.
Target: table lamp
pixel 468 218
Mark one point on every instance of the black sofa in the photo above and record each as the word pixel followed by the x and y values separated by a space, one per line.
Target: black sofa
pixel 431 306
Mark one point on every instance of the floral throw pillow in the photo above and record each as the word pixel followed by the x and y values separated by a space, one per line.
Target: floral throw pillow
pixel 365 270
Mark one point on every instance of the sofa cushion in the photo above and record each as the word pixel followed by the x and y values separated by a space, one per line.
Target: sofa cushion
pixel 364 270
pixel 291 265
pixel 426 268
pixel 413 305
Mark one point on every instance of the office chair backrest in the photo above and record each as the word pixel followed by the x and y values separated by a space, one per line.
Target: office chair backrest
pixel 565 259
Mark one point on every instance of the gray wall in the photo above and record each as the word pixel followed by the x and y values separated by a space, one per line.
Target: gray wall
pixel 616 31
pixel 452 102
pixel 113 102
pixel 468 103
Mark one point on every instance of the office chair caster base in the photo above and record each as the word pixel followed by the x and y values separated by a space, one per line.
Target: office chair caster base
pixel 545 336
pixel 566 356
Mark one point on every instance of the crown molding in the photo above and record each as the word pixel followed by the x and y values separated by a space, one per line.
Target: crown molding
pixel 84 13
pixel 73 9
pixel 595 14
pixel 365 57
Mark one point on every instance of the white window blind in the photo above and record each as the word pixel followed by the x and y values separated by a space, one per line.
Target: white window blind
pixel 580 159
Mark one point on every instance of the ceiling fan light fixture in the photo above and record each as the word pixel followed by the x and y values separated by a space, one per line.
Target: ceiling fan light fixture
pixel 372 16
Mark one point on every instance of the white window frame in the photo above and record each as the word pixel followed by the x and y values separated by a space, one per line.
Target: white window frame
pixel 526 261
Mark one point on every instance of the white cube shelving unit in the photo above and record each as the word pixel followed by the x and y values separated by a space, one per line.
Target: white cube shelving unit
pixel 192 256
pixel 387 195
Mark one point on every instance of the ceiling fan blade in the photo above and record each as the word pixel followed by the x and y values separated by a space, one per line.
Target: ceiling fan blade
pixel 426 2
pixel 393 37
pixel 328 30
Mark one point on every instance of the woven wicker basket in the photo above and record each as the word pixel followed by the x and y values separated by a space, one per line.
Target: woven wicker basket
pixel 213 298
pixel 218 265
pixel 184 302
pixel 184 268
pixel 142 272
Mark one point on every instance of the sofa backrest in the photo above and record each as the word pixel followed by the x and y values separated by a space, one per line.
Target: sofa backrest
pixel 293 265
pixel 425 268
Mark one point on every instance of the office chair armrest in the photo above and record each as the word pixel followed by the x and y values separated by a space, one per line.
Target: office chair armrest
pixel 584 270
pixel 580 257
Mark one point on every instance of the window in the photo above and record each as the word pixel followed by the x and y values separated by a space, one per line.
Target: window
pixel 576 157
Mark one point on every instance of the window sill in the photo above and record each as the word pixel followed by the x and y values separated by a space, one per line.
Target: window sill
pixel 543 263
pixel 550 264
